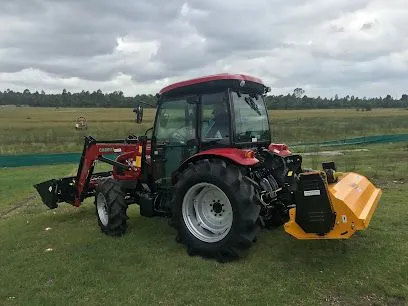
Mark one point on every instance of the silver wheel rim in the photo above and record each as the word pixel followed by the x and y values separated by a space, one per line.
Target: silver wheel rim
pixel 207 212
pixel 102 209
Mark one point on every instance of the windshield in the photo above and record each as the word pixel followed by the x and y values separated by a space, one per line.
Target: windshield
pixel 251 121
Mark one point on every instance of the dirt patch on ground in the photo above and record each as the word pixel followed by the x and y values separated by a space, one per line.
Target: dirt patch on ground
pixel 333 153
pixel 373 299
pixel 365 300
pixel 28 200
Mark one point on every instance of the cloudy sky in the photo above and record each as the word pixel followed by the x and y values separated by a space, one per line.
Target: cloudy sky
pixel 355 47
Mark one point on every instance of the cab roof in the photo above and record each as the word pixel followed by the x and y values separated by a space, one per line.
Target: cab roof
pixel 210 80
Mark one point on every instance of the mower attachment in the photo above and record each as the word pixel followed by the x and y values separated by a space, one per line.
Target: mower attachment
pixel 340 208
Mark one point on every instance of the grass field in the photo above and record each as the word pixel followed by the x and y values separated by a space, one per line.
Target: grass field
pixel 51 257
pixel 52 130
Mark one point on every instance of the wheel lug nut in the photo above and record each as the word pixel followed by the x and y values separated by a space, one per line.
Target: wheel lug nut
pixel 212 210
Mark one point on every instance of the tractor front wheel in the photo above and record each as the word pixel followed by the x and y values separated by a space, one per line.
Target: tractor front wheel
pixel 214 210
pixel 111 207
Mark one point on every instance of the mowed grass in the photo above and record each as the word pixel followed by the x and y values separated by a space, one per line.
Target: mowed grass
pixel 300 126
pixel 26 129
pixel 147 267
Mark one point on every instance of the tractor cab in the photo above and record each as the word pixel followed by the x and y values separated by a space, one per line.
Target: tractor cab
pixel 221 111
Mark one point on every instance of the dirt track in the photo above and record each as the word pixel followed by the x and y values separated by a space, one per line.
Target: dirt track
pixel 18 205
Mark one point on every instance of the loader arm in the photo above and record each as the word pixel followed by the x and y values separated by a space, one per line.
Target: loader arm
pixel 75 189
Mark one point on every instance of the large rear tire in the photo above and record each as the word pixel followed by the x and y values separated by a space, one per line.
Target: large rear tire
pixel 111 207
pixel 214 210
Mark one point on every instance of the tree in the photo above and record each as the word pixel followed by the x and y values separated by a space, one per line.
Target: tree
pixel 295 100
pixel 298 92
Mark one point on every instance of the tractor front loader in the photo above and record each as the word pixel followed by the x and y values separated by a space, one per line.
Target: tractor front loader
pixel 211 169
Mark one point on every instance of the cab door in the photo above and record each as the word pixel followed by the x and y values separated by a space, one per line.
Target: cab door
pixel 175 135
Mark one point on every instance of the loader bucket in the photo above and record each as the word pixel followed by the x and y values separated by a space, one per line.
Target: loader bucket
pixel 47 192
pixel 55 191
pixel 351 202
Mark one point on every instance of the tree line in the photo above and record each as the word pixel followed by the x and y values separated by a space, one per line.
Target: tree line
pixel 298 100
pixel 67 99
pixel 295 100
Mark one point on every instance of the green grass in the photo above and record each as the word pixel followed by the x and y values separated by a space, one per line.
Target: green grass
pixel 53 130
pixel 320 125
pixel 27 129
pixel 17 184
pixel 147 266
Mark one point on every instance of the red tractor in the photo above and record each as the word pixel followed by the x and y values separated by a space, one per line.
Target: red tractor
pixel 211 169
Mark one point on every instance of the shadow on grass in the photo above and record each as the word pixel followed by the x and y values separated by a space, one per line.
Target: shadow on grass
pixel 155 234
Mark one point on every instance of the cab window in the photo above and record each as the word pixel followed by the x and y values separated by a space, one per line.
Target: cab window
pixel 215 120
pixel 176 121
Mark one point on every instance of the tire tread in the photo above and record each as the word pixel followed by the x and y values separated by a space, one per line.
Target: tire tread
pixel 246 213
pixel 117 208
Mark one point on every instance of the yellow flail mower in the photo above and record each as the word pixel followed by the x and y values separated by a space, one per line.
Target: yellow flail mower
pixel 350 200
pixel 210 167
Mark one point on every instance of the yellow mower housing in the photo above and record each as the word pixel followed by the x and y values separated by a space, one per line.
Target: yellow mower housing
pixel 353 200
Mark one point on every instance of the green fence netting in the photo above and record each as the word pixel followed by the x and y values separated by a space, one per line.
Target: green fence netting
pixel 41 159
pixel 67 158
pixel 358 140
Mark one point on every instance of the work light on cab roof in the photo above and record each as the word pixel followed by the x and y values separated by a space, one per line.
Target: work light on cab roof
pixel 208 165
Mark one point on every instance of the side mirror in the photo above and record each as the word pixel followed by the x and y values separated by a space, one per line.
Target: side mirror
pixel 139 113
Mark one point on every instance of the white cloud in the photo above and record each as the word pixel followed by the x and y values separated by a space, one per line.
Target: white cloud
pixel 355 47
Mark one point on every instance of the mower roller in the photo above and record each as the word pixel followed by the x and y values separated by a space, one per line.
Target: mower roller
pixel 210 167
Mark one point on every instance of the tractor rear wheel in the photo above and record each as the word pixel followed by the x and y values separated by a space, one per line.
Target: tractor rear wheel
pixel 111 207
pixel 214 210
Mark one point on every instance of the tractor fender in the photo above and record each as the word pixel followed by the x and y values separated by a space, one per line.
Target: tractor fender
pixel 242 157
